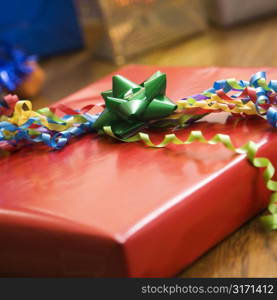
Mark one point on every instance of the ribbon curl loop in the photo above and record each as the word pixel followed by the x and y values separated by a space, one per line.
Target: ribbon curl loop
pixel 249 149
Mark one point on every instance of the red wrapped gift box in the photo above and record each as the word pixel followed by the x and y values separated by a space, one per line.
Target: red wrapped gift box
pixel 104 208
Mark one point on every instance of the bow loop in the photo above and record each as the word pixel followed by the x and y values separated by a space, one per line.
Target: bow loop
pixel 130 106
pixel 159 107
pixel 155 85
pixel 122 85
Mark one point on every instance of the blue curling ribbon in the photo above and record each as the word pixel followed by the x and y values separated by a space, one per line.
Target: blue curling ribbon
pixel 13 67
pixel 60 139
pixel 244 83
pixel 265 93
pixel 221 84
pixel 55 140
pixel 254 80
pixel 271 116
pixel 273 85
pixel 261 98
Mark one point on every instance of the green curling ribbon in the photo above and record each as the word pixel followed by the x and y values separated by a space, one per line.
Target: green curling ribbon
pixel 249 149
pixel 130 107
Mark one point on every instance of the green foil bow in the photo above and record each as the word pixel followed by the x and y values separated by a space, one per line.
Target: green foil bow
pixel 130 107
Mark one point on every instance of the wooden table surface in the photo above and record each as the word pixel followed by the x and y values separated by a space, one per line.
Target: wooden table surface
pixel 250 251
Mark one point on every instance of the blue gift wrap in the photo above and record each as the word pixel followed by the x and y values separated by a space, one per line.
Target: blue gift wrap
pixel 41 27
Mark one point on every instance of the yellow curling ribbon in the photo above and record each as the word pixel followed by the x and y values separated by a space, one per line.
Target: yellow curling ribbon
pixel 23 111
pixel 217 103
pixel 249 149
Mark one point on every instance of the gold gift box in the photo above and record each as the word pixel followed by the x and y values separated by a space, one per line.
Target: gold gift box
pixel 134 26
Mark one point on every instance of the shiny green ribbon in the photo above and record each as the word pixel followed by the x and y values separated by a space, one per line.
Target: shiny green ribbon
pixel 131 106
pixel 249 149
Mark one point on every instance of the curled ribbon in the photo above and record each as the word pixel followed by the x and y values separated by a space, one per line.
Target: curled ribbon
pixel 249 149
pixel 43 125
pixel 255 97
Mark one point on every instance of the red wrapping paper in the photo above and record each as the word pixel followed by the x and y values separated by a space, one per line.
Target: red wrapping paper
pixel 104 208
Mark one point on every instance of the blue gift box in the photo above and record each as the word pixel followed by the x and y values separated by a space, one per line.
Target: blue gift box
pixel 42 27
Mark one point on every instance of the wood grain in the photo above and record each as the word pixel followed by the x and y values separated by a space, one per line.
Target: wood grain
pixel 249 252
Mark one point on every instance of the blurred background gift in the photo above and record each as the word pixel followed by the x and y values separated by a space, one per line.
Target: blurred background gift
pixel 79 41
pixel 29 27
